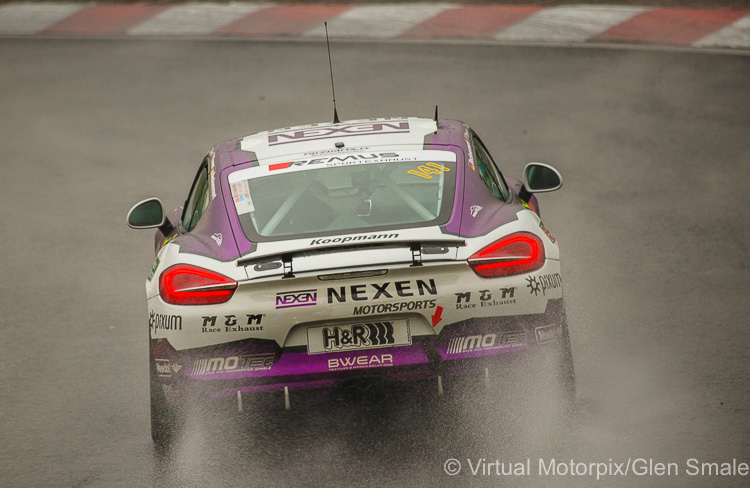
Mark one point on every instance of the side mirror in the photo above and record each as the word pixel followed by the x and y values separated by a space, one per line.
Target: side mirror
pixel 540 177
pixel 148 214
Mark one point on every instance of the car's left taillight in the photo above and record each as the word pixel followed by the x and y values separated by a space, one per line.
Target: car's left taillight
pixel 517 253
pixel 183 284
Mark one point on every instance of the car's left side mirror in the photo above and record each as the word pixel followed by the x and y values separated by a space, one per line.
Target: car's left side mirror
pixel 148 214
pixel 540 177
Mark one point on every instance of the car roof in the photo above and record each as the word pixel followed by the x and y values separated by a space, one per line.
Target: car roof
pixel 305 141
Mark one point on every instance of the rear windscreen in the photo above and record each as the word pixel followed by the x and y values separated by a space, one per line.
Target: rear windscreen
pixel 345 195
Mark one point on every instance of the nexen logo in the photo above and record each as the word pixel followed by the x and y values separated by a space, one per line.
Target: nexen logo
pixel 375 291
pixel 302 298
pixel 340 130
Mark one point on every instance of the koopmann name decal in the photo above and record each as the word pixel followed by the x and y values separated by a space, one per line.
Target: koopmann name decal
pixel 344 240
pixel 159 321
pixel 337 131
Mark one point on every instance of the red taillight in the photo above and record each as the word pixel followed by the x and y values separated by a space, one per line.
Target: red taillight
pixel 184 284
pixel 517 253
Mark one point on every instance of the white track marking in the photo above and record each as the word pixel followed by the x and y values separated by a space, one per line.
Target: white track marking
pixel 32 18
pixel 194 19
pixel 379 21
pixel 735 35
pixel 577 23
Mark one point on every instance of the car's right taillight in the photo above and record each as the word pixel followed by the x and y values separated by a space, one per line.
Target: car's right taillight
pixel 183 284
pixel 517 253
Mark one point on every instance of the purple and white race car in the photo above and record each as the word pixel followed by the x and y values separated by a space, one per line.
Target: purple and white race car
pixel 309 258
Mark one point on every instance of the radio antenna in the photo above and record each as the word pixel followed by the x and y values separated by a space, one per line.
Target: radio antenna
pixel 330 68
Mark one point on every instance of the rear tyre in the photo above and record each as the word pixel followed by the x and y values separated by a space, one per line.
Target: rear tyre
pixel 164 424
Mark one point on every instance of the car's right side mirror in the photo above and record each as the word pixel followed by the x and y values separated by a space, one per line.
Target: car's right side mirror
pixel 540 177
pixel 148 214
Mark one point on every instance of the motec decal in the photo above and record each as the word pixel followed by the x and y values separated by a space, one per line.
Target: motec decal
pixel 337 131
pixel 428 169
pixel 487 342
pixel 232 364
pixel 301 298
pixel 158 321
pixel 543 283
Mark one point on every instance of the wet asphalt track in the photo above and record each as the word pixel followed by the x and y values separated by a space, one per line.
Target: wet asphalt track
pixel 652 221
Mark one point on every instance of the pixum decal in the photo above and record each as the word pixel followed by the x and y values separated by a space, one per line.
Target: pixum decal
pixel 543 283
pixel 158 321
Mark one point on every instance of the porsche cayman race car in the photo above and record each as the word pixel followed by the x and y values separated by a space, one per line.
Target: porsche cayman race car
pixel 311 257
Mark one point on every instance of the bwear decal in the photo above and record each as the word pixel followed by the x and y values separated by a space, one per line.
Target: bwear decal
pixel 218 238
pixel 360 362
pixel 475 209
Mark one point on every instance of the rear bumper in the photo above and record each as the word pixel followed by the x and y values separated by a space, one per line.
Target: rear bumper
pixel 261 368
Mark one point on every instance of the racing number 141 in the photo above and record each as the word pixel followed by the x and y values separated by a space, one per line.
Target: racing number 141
pixel 428 169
